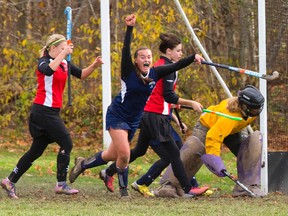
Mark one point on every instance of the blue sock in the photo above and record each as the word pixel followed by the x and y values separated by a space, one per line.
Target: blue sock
pixel 123 177
pixel 94 161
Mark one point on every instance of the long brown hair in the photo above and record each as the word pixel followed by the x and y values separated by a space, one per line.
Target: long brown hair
pixel 168 41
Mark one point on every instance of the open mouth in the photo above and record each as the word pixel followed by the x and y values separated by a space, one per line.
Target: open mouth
pixel 146 64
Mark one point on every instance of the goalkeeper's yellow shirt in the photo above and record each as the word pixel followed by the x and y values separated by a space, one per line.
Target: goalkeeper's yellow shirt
pixel 220 127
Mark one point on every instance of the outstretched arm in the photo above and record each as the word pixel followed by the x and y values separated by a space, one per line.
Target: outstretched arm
pixel 87 71
pixel 182 63
pixel 126 60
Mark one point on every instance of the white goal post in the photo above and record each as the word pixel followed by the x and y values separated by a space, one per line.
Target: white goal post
pixel 106 74
pixel 106 67
pixel 263 87
pixel 263 90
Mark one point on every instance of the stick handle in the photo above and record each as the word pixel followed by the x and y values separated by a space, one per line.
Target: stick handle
pixel 186 107
pixel 215 64
pixel 179 119
pixel 223 115
pixel 216 113
pixel 240 70
pixel 68 12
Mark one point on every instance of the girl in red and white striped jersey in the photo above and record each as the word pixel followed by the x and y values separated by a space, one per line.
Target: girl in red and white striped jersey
pixel 45 124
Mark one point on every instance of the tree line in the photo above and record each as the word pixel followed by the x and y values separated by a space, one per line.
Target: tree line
pixel 227 29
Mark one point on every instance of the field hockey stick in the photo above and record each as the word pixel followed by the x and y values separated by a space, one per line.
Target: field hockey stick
pixel 179 120
pixel 235 180
pixel 216 113
pixel 274 75
pixel 68 12
pixel 239 183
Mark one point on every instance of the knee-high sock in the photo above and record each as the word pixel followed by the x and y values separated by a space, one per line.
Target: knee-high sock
pixel 123 177
pixel 18 171
pixel 93 161
pixel 111 170
pixel 62 166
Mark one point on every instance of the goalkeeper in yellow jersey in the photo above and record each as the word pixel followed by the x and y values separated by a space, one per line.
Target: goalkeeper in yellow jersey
pixel 211 131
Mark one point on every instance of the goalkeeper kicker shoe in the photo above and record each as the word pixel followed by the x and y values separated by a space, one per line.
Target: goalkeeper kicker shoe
pixel 142 189
pixel 77 169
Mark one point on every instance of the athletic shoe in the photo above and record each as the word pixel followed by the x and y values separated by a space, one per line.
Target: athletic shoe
pixel 65 189
pixel 190 194
pixel 76 170
pixel 124 193
pixel 199 190
pixel 7 185
pixel 142 189
pixel 108 180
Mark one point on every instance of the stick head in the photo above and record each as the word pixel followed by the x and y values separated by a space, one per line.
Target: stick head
pixel 274 75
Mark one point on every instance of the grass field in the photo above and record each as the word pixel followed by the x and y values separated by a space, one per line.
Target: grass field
pixel 36 195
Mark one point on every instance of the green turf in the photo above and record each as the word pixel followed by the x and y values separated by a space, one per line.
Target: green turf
pixel 35 190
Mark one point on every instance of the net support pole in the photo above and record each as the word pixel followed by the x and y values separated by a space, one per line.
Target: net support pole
pixel 106 67
pixel 263 90
pixel 204 53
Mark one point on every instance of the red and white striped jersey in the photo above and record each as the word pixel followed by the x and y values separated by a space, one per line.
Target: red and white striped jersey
pixel 156 102
pixel 51 83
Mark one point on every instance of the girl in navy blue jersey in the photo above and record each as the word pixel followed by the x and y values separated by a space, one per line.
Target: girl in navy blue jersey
pixel 45 124
pixel 171 49
pixel 124 114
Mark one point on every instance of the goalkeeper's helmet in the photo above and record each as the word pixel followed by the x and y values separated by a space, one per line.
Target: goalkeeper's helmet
pixel 251 101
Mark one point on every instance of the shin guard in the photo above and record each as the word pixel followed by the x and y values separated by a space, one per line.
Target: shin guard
pixel 123 177
pixel 249 163
pixel 93 161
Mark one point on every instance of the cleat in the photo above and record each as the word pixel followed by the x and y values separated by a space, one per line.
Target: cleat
pixel 199 190
pixel 9 186
pixel 190 194
pixel 124 193
pixel 108 180
pixel 142 189
pixel 76 170
pixel 65 189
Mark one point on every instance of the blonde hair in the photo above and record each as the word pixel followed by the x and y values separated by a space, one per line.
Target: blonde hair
pixel 52 40
pixel 233 105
